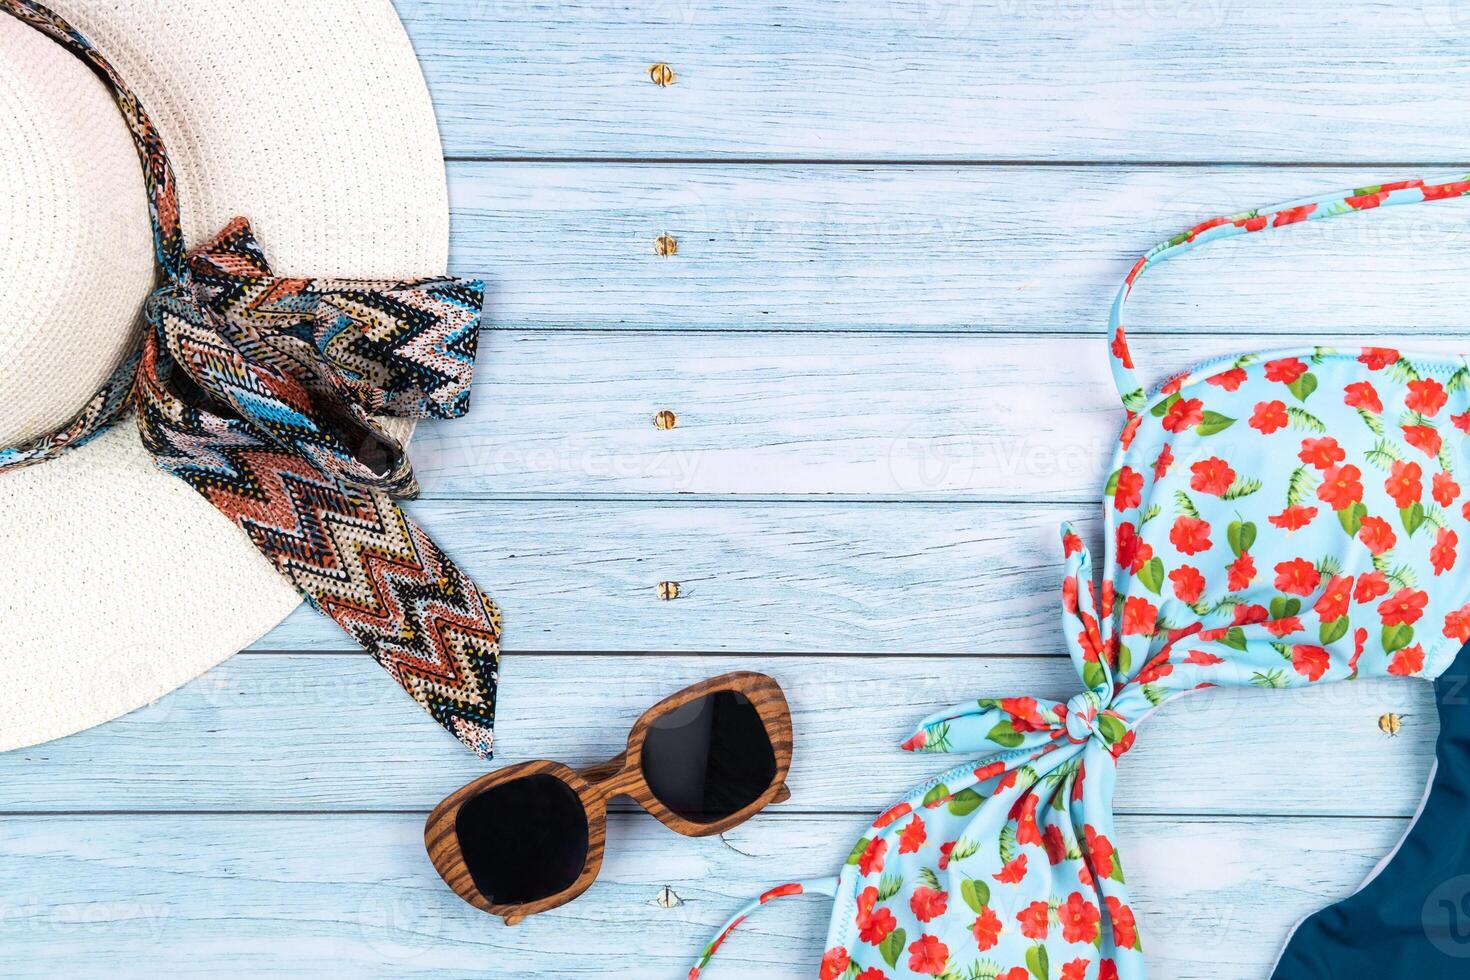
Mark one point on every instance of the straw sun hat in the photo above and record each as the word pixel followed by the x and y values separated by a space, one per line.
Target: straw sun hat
pixel 118 582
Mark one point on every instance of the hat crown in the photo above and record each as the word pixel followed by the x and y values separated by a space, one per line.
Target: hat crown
pixel 76 246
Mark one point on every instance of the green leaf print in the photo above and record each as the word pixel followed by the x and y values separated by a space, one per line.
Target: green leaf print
pixel 1412 516
pixel 1332 630
pixel 1301 486
pixel 975 892
pixel 1212 423
pixel 1273 678
pixel 1184 505
pixel 1241 488
pixel 1148 514
pixel 1395 638
pixel 929 878
pixel 1162 408
pixel 1111 487
pixel 1007 846
pixel 1125 659
pixel 1036 962
pixel 1111 729
pixel 1372 421
pixel 1284 607
pixel 1320 354
pixel 1240 535
pixel 1384 454
pixel 1152 575
pixel 1134 400
pixel 891 947
pixel 1351 518
pixel 1456 381
pixel 1005 734
pixel 1403 371
pixel 1301 419
pixel 1303 386
pixel 965 802
pixel 1234 638
pixel 962 849
pixel 937 793
pixel 1093 675
pixel 889 885
pixel 858 849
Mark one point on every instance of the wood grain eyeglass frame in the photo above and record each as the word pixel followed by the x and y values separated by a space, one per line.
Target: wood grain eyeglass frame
pixel 621 775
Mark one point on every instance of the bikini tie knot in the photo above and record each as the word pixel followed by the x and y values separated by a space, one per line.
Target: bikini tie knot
pixel 1081 714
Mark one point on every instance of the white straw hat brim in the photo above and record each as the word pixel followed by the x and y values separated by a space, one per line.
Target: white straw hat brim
pixel 118 583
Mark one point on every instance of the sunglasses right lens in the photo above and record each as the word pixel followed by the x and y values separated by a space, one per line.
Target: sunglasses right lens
pixel 523 840
pixel 710 758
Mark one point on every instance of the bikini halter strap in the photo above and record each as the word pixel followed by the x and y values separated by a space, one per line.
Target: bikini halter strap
pixel 1306 209
pixel 158 173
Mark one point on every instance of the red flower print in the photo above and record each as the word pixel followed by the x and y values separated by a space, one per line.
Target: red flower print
pixel 1442 555
pixel 1321 453
pixel 1189 584
pixel 1444 489
pixel 928 955
pixel 834 963
pixel 944 850
pixel 1293 518
pixel 1012 872
pixel 1130 429
pixel 1024 813
pixel 1120 348
pixel 874 927
pixel 1403 483
pixel 1055 844
pixel 1163 462
pixel 1107 970
pixel 1284 626
pixel 1424 438
pixel 1438 192
pixel 1297 577
pixel 989 770
pixel 1362 394
pixel 1190 535
pixel 1376 534
pixel 1248 613
pixel 1311 662
pixel 916 741
pixel 892 815
pixel 781 891
pixel 1034 920
pixel 1125 927
pixel 1014 973
pixel 1371 585
pixel 1241 572
pixel 1341 487
pixel 926 903
pixel 1461 421
pixel 1139 617
pixel 1128 493
pixel 1204 659
pixel 1457 624
pixel 1378 358
pixel 1409 660
pixel 1100 849
pixel 1404 607
pixel 1075 970
pixel 913 836
pixel 1212 475
pixel 1251 223
pixel 1230 380
pixel 1335 598
pixel 1269 417
pixel 1285 370
pixel 986 928
pixel 872 858
pixel 872 973
pixel 1079 919
pixel 1132 551
pixel 1185 413
pixel 1360 640
pixel 1174 383
pixel 1425 397
pixel 1290 216
pixel 1024 714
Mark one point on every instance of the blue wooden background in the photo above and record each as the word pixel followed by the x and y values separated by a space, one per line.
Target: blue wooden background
pixel 899 223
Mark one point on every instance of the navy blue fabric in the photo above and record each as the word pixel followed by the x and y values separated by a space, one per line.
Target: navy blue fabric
pixel 1413 919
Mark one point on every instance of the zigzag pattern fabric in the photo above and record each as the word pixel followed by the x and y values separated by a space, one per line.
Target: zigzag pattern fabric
pixel 259 391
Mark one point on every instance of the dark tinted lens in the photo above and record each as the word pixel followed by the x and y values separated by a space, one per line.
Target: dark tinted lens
pixel 710 758
pixel 523 840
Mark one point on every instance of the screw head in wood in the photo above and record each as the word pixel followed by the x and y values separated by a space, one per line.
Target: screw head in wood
pixel 1390 723
pixel 661 75
pixel 665 419
pixel 665 245
pixel 668 590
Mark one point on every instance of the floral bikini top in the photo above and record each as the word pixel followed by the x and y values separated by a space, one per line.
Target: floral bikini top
pixel 1272 520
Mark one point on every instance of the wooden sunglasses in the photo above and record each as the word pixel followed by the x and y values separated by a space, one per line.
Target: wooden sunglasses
pixel 456 857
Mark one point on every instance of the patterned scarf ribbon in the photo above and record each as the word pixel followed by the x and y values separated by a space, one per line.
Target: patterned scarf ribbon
pixel 257 391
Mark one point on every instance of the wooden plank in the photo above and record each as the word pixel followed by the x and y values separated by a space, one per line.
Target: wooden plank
pixel 977 248
pixel 331 732
pixel 970 417
pixel 813 577
pixel 354 895
pixel 919 79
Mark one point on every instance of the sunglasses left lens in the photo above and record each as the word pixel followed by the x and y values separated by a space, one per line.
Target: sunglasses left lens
pixel 523 840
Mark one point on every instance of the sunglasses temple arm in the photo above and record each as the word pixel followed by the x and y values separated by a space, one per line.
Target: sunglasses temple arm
pixel 813 886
